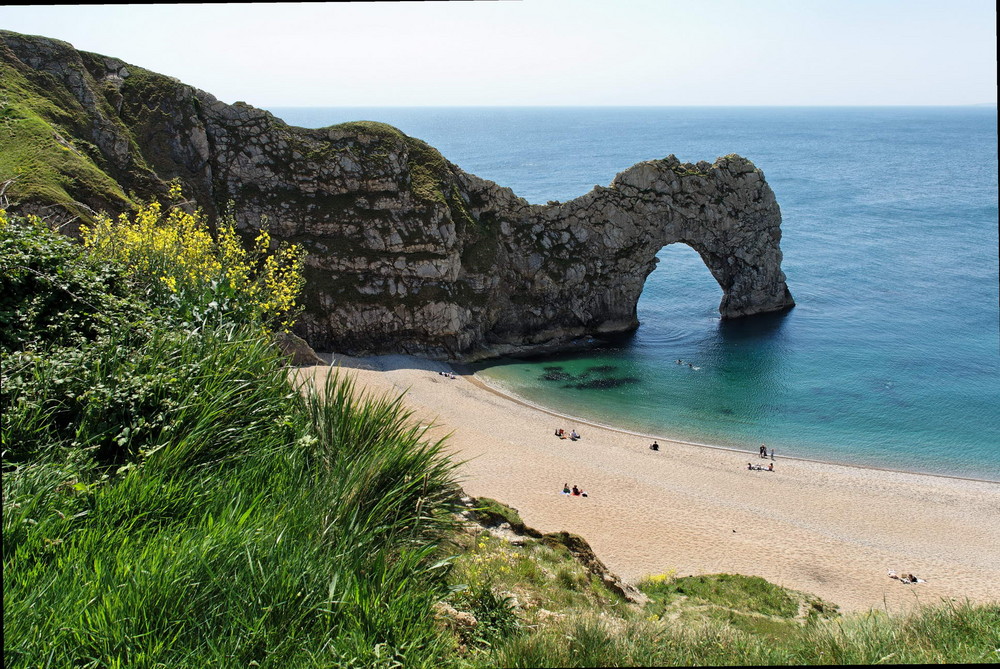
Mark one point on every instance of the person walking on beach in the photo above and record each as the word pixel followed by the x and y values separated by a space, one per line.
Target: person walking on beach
pixel 763 451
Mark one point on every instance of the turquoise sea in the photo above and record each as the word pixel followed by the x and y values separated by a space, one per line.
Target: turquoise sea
pixel 891 357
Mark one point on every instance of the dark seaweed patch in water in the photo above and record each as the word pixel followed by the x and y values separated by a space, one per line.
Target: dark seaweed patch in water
pixel 728 412
pixel 600 369
pixel 593 378
pixel 602 384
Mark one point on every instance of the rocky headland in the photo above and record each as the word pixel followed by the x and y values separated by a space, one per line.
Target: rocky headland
pixel 407 252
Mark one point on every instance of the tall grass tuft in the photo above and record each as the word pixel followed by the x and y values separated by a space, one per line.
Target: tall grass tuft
pixel 171 500
pixel 945 633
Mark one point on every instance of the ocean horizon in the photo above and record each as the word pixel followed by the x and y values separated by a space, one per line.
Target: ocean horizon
pixel 891 357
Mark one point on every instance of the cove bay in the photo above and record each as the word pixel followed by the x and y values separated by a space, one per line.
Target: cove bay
pixel 891 357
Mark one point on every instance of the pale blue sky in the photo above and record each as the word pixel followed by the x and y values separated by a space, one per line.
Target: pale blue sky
pixel 550 52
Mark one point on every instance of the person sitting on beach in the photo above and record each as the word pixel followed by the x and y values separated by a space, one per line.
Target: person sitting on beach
pixel 770 467
pixel 561 433
pixel 574 435
pixel 749 466
pixel 576 491
pixel 565 488
pixel 654 446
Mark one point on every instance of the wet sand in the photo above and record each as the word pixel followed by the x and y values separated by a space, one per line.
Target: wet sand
pixel 830 530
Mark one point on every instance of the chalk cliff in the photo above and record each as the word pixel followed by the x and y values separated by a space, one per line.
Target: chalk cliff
pixel 407 253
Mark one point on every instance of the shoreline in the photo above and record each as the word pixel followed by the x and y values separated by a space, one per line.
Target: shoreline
pixel 828 529
pixel 513 397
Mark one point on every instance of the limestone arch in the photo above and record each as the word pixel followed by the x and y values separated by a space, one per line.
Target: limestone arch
pixel 578 268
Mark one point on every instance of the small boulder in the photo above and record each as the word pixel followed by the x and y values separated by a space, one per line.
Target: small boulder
pixel 297 349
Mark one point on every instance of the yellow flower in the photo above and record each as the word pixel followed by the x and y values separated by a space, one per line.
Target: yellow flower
pixel 178 248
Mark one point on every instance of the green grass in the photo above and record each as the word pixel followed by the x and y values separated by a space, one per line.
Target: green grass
pixel 731 591
pixel 946 633
pixel 169 499
pixel 39 152
pixel 490 512
pixel 263 528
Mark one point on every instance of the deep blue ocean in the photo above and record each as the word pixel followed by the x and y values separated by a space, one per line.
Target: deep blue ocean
pixel 891 357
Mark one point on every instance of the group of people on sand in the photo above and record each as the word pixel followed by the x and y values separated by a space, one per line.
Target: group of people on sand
pixel 574 491
pixel 450 375
pixel 905 578
pixel 761 468
pixel 655 446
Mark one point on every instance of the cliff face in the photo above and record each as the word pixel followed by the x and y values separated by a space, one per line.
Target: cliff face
pixel 408 253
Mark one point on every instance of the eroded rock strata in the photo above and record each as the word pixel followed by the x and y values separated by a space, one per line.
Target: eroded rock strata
pixel 408 253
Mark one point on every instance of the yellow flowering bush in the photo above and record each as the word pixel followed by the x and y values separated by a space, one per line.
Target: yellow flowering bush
pixel 175 255
pixel 657 579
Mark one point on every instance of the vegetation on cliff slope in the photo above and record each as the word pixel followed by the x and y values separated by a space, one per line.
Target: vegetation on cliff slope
pixel 566 616
pixel 49 159
pixel 169 499
pixel 43 157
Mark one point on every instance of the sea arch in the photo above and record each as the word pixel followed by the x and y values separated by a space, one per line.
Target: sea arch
pixel 578 268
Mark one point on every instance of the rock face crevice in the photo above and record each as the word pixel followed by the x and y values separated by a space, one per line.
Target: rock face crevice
pixel 407 252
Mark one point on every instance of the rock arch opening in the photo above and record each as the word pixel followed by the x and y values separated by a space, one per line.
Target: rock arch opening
pixel 680 288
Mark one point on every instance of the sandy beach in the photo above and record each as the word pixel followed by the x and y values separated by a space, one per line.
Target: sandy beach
pixel 830 530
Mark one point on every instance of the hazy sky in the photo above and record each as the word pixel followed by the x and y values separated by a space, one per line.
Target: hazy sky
pixel 550 52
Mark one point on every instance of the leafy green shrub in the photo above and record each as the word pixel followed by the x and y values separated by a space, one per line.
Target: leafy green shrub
pixel 567 579
pixel 50 293
pixel 495 614
pixel 750 593
pixel 490 512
